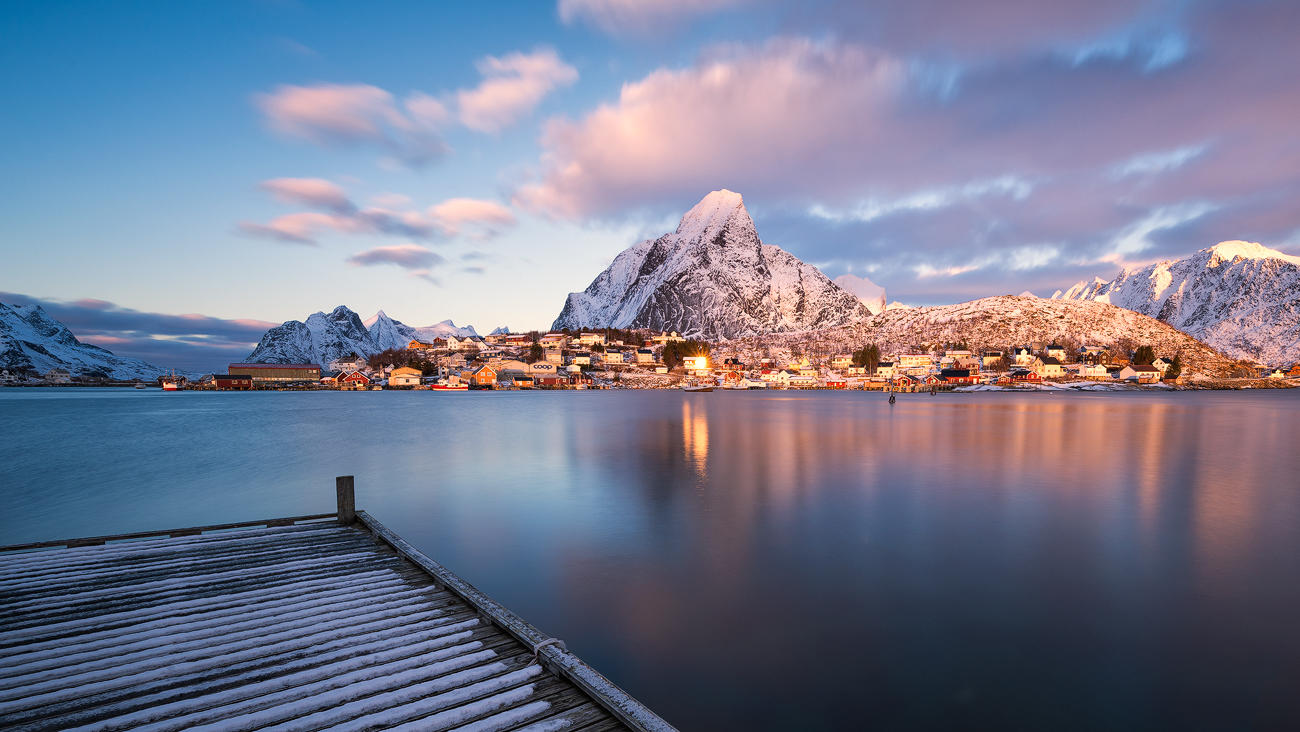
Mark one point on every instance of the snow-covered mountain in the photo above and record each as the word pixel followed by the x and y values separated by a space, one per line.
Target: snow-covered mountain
pixel 871 294
pixel 992 322
pixel 712 278
pixel 1240 297
pixel 321 339
pixel 500 330
pixel 388 333
pixel 341 332
pixel 30 340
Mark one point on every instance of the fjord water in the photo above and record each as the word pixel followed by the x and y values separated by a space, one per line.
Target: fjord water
pixel 773 560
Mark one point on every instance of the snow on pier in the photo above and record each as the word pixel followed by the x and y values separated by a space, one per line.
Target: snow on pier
pixel 328 622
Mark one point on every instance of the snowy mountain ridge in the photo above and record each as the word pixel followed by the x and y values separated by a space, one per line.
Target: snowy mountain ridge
pixel 712 278
pixel 990 323
pixel 1240 297
pixel 30 340
pixel 326 337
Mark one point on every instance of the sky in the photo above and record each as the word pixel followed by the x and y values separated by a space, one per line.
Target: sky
pixel 178 177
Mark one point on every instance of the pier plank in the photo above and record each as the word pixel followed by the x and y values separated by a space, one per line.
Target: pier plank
pixel 276 624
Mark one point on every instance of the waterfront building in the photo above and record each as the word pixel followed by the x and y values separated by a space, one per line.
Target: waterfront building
pixel 236 382
pixel 404 376
pixel 277 372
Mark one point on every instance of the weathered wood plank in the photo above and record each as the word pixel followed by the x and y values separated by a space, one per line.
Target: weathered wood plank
pixel 628 710
pixel 300 626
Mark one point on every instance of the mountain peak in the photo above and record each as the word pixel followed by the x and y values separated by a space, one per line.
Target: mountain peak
pixel 713 278
pixel 1227 251
pixel 713 213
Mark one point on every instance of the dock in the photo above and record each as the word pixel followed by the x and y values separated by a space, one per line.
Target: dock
pixel 326 621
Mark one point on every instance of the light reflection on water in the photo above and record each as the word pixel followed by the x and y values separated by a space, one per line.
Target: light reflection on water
pixel 749 560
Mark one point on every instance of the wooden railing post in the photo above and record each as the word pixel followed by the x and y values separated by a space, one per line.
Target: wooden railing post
pixel 344 487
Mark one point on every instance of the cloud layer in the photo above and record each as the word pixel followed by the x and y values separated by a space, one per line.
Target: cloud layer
pixel 1058 143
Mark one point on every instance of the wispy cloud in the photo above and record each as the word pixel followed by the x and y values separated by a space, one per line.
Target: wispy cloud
pixel 406 256
pixel 513 86
pixel 479 218
pixel 356 114
pixel 638 17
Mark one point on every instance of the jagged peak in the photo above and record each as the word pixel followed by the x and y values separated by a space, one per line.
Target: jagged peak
pixel 1227 251
pixel 713 213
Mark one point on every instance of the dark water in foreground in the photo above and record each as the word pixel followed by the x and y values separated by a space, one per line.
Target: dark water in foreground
pixel 774 561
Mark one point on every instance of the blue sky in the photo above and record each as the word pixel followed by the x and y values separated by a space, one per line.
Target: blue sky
pixel 251 162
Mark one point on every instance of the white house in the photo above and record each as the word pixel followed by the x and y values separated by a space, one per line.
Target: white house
pixel 1140 374
pixel 914 360
pixel 1023 356
pixel 645 355
pixel 554 340
pixel 842 361
pixel 1162 364
pixel 1056 351
pixel 554 355
pixel 344 365
pixel 886 369
pixel 1050 368
pixel 613 357
pixel 1093 371
pixel 591 339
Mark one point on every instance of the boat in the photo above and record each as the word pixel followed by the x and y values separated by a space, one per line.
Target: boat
pixel 140 385
pixel 697 388
pixel 171 383
pixel 441 386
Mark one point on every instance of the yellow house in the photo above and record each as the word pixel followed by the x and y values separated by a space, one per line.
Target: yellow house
pixel 404 376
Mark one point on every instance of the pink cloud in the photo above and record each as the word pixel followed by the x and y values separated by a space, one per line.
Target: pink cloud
pixel 315 192
pixel 487 217
pixel 296 228
pixel 353 114
pixel 512 87
pixel 743 116
pixel 637 17
pixel 475 217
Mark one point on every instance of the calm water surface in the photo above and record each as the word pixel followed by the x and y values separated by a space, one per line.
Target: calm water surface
pixel 774 561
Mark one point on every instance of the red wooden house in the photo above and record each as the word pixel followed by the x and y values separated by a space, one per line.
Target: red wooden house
pixel 354 380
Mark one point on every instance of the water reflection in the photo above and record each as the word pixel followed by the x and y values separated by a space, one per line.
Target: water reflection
pixel 778 561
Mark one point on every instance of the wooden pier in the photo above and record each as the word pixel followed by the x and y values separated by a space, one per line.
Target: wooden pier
pixel 329 621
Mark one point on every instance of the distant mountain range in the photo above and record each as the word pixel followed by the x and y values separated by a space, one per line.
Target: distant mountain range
pixel 1240 297
pixel 991 323
pixel 326 337
pixel 32 341
pixel 712 278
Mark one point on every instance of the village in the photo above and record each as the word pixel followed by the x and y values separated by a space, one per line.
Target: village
pixel 641 359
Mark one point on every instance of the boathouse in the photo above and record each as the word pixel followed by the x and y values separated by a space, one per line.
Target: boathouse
pixel 277 372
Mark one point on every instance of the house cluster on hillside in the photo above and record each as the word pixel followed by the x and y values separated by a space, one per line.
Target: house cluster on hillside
pixel 558 360
pixel 908 371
